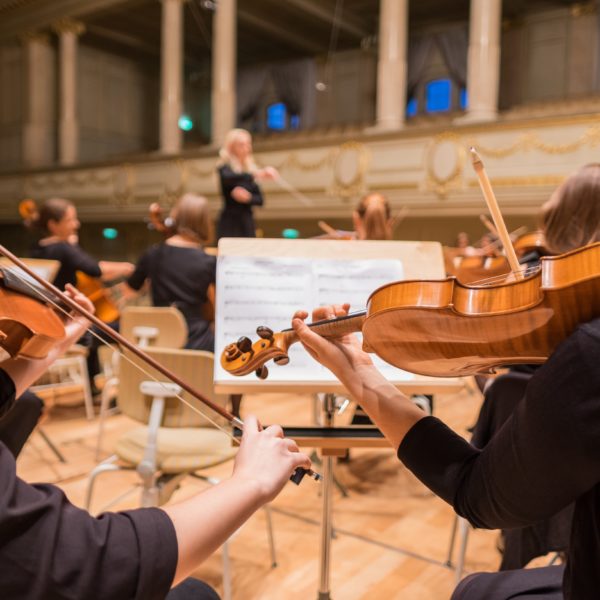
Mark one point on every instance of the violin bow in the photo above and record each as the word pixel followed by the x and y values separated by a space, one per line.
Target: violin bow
pixel 299 473
pixel 490 198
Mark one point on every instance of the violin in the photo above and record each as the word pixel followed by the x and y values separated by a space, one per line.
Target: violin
pixel 28 326
pixel 92 287
pixel 99 293
pixel 159 222
pixel 15 325
pixel 449 328
pixel 166 226
pixel 478 267
pixel 446 328
pixel 528 242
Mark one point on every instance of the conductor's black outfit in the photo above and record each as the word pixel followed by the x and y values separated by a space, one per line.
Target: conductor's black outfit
pixel 236 219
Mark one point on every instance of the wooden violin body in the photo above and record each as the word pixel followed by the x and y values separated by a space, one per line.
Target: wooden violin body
pixel 92 287
pixel 447 328
pixel 470 269
pixel 533 240
pixel 28 327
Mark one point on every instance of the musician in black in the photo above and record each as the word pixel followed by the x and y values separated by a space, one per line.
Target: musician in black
pixel 546 454
pixel 181 273
pixel 58 225
pixel 238 176
pixel 52 549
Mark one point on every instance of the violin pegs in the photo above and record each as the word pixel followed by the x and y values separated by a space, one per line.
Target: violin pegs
pixel 232 352
pixel 282 360
pixel 264 332
pixel 262 372
pixel 244 344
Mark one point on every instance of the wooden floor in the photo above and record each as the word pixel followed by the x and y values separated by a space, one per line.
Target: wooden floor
pixel 391 533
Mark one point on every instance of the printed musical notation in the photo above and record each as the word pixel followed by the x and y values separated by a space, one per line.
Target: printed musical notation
pixel 268 291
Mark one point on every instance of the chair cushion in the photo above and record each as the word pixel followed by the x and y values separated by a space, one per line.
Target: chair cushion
pixel 180 449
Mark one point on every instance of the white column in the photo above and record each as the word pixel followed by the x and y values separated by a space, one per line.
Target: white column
pixel 483 66
pixel 171 76
pixel 38 129
pixel 68 126
pixel 391 67
pixel 223 69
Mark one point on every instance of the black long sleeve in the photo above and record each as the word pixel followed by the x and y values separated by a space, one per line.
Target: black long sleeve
pixel 51 549
pixel 546 456
pixel 231 179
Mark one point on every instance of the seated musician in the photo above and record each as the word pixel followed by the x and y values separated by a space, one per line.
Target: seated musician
pixel 52 549
pixel 180 273
pixel 372 218
pixel 567 221
pixel 544 457
pixel 58 224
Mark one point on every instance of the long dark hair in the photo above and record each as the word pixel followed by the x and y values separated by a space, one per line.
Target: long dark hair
pixel 571 217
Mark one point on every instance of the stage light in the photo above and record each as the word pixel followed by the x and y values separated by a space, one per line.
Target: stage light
pixel 185 123
pixel 110 233
pixel 290 234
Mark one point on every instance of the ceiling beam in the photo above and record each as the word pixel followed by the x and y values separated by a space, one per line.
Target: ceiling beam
pixel 349 23
pixel 130 41
pixel 40 14
pixel 280 33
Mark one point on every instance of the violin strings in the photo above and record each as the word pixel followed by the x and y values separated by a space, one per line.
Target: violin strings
pixel 531 270
pixel 122 355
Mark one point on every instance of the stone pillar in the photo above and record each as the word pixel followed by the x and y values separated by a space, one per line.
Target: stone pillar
pixel 223 70
pixel 171 76
pixel 68 126
pixel 40 82
pixel 391 67
pixel 483 66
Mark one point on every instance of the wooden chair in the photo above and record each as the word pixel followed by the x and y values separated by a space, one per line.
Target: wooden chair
pixel 154 326
pixel 175 441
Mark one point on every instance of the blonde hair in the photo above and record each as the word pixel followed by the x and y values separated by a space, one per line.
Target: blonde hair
pixel 228 158
pixel 375 215
pixel 571 217
pixel 191 218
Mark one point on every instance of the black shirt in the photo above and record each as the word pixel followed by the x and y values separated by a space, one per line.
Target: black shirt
pixel 72 259
pixel 52 550
pixel 546 455
pixel 236 218
pixel 180 277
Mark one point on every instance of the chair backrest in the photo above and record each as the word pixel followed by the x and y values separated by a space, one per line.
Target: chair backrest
pixel 192 366
pixel 172 331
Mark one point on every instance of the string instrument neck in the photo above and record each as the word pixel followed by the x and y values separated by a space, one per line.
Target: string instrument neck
pixel 332 328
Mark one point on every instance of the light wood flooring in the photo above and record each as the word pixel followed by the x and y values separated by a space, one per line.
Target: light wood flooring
pixel 391 533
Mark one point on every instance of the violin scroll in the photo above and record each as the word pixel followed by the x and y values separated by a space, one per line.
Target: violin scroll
pixel 243 357
pixel 158 221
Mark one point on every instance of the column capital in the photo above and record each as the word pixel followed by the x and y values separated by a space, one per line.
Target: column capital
pixel 35 36
pixel 68 26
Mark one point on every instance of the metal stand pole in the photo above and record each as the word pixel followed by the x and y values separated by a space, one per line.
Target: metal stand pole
pixel 328 412
pixel 326 528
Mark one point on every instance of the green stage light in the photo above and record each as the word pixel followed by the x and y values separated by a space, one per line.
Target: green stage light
pixel 185 123
pixel 110 233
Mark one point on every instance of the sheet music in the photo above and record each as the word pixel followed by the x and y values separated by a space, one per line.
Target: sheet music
pixel 268 291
